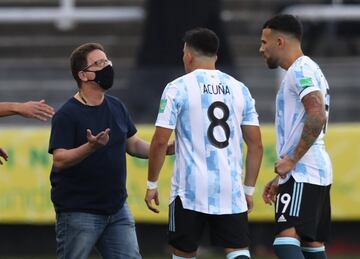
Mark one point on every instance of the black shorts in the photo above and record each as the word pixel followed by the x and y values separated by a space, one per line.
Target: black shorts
pixel 303 206
pixel 186 228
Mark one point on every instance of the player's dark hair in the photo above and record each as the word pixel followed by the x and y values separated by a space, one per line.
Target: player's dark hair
pixel 202 40
pixel 285 23
pixel 78 58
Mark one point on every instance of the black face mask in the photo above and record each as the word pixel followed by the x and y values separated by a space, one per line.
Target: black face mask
pixel 105 77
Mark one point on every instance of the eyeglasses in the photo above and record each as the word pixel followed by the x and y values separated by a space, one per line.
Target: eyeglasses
pixel 98 63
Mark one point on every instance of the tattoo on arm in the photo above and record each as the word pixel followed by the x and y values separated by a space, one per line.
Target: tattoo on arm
pixel 315 121
pixel 312 129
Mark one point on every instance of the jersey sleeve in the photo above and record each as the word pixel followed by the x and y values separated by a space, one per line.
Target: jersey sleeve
pixel 62 133
pixel 250 116
pixel 169 107
pixel 305 81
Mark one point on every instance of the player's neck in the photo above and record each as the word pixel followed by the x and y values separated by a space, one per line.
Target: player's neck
pixel 204 65
pixel 291 57
pixel 91 97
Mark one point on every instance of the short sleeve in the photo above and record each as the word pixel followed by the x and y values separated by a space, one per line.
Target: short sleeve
pixel 305 81
pixel 131 127
pixel 169 107
pixel 62 133
pixel 250 116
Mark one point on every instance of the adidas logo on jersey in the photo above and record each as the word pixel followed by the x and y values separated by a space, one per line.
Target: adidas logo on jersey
pixel 282 219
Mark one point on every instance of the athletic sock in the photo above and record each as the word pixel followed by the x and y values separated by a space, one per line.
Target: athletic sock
pixel 287 247
pixel 314 252
pixel 238 254
pixel 179 257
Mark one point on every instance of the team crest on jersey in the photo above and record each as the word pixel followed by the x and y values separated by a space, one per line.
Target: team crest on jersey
pixel 162 105
pixel 306 82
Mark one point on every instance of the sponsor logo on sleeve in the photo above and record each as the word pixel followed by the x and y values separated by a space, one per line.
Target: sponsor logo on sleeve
pixel 306 82
pixel 162 105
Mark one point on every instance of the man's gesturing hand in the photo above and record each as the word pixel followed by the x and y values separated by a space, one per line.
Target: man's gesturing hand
pixel 38 110
pixel 99 140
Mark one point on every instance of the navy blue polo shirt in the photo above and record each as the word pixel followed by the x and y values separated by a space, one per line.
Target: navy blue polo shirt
pixel 98 183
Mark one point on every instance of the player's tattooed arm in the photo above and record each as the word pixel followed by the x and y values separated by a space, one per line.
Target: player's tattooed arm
pixel 314 123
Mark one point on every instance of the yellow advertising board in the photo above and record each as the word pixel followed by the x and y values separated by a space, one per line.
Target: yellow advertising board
pixel 25 186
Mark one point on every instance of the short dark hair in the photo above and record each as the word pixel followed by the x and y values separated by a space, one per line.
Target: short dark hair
pixel 78 58
pixel 203 40
pixel 286 23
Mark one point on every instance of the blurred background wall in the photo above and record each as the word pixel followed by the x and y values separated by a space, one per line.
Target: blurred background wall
pixel 143 38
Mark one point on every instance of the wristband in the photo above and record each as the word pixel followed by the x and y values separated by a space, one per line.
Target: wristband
pixel 151 185
pixel 249 190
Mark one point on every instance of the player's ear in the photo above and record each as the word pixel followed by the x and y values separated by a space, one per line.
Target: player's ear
pixel 189 57
pixel 280 41
pixel 82 76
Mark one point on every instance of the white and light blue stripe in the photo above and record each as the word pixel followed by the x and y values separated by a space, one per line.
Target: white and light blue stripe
pixel 235 254
pixel 286 241
pixel 314 167
pixel 207 179
pixel 313 249
pixel 172 217
pixel 296 199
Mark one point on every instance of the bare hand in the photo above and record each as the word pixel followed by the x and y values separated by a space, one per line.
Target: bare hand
pixel 284 165
pixel 4 155
pixel 37 110
pixel 249 202
pixel 171 148
pixel 152 195
pixel 270 190
pixel 99 140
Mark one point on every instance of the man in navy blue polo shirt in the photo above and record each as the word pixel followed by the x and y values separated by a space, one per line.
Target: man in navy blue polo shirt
pixel 90 136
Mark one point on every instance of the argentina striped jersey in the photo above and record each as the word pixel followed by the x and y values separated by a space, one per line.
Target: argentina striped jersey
pixel 303 77
pixel 206 108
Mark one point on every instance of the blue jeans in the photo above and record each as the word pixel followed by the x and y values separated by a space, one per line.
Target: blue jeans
pixel 114 236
